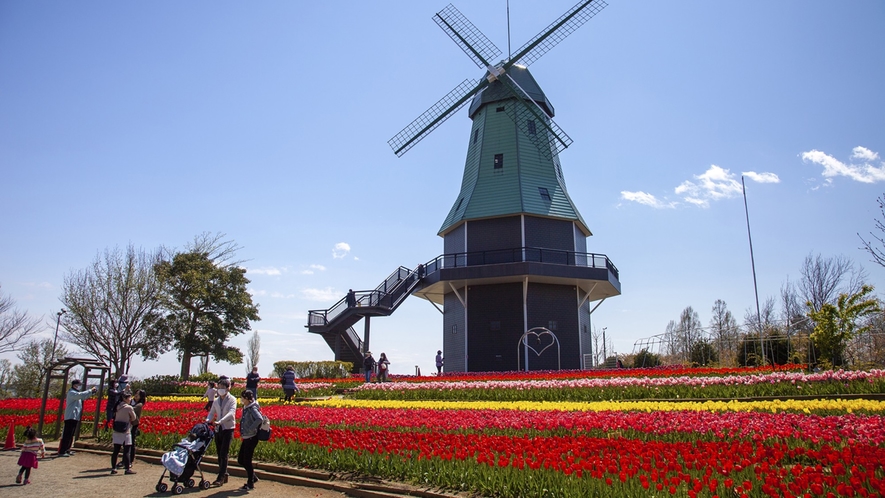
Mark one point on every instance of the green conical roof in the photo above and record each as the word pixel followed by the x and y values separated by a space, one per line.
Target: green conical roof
pixel 505 173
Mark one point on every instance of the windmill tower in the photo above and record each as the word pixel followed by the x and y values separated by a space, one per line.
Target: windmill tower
pixel 515 246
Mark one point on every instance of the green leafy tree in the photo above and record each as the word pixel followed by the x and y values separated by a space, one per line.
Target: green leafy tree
pixel 28 377
pixel 835 325
pixel 645 359
pixel 206 304
pixel 703 353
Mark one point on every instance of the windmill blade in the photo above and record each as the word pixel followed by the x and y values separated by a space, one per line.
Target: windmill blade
pixel 471 40
pixel 573 19
pixel 547 136
pixel 435 116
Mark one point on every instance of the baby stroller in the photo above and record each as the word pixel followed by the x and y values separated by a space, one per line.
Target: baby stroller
pixel 184 458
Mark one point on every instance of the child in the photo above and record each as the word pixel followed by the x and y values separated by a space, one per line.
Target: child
pixel 28 458
pixel 210 395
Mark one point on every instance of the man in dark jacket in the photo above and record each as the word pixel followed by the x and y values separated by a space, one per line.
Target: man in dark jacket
pixel 252 382
pixel 288 381
pixel 368 366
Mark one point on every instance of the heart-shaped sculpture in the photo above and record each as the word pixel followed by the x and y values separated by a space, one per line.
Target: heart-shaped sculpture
pixel 538 336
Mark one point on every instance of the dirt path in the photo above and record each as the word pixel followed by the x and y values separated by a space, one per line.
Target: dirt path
pixel 87 475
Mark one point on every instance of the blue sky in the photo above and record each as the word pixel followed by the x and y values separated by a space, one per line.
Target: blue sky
pixel 151 123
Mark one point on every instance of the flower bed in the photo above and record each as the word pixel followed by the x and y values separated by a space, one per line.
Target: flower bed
pixel 436 433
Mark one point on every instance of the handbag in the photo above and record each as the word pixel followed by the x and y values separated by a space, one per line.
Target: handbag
pixel 121 426
pixel 264 431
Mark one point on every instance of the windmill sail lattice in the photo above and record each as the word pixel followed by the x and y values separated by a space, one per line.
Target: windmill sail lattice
pixel 482 52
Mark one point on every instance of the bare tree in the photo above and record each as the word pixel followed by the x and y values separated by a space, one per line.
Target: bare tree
pixel 214 245
pixel 767 318
pixel 876 251
pixel 252 351
pixel 15 325
pixel 724 332
pixel 113 306
pixel 823 279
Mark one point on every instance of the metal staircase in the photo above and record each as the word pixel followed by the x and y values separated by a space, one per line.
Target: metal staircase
pixel 336 323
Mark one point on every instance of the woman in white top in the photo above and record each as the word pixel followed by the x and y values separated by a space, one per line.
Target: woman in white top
pixel 224 414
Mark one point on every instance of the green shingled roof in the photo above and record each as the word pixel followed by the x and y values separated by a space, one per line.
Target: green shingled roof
pixel 514 186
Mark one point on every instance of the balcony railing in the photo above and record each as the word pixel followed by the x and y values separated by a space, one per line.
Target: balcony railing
pixel 396 287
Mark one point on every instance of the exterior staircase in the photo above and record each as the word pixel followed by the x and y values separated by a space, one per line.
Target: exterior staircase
pixel 335 324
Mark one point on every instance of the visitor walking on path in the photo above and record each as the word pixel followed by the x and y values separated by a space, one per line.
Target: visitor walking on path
pixel 250 422
pixel 368 365
pixel 28 459
pixel 252 381
pixel 73 411
pixel 289 385
pixel 122 438
pixel 224 414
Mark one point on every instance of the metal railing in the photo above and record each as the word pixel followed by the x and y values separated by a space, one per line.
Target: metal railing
pixel 399 284
pixel 520 255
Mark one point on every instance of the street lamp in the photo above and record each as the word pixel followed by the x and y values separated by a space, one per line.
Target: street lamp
pixel 55 338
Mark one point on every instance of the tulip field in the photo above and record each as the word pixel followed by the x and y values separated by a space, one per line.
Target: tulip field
pixel 628 432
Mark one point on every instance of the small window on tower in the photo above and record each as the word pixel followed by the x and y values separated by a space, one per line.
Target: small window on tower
pixel 532 127
pixel 499 161
pixel 544 194
pixel 475 135
pixel 499 109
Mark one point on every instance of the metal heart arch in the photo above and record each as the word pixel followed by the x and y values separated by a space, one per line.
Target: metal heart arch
pixel 538 336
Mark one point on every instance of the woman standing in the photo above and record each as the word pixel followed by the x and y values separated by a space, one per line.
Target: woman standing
pixel 122 439
pixel 137 405
pixel 250 422
pixel 383 368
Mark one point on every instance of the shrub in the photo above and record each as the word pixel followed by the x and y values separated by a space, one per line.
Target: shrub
pixel 315 369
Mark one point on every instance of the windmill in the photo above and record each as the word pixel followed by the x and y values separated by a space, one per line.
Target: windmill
pixel 515 255
pixel 515 245
pixel 482 52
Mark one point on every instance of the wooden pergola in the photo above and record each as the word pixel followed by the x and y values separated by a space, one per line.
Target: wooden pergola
pixel 60 370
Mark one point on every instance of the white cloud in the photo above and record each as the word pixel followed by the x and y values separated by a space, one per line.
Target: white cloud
pixel 310 269
pixel 255 292
pixel 268 270
pixel 340 250
pixel 864 154
pixel 715 184
pixel 38 285
pixel 860 167
pixel 761 177
pixel 280 295
pixel 644 198
pixel 326 295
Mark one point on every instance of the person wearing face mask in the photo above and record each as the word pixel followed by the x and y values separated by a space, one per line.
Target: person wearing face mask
pixel 224 414
pixel 73 409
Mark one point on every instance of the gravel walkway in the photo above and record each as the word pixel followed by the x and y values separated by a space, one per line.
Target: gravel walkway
pixel 87 475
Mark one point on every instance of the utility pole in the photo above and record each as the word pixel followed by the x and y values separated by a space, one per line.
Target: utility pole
pixel 753 264
pixel 604 355
pixel 55 338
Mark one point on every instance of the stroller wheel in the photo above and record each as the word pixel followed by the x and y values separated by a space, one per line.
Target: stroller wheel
pixel 177 490
pixel 190 483
pixel 161 488
pixel 205 484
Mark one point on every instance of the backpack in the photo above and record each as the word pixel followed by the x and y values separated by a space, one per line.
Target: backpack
pixel 264 431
